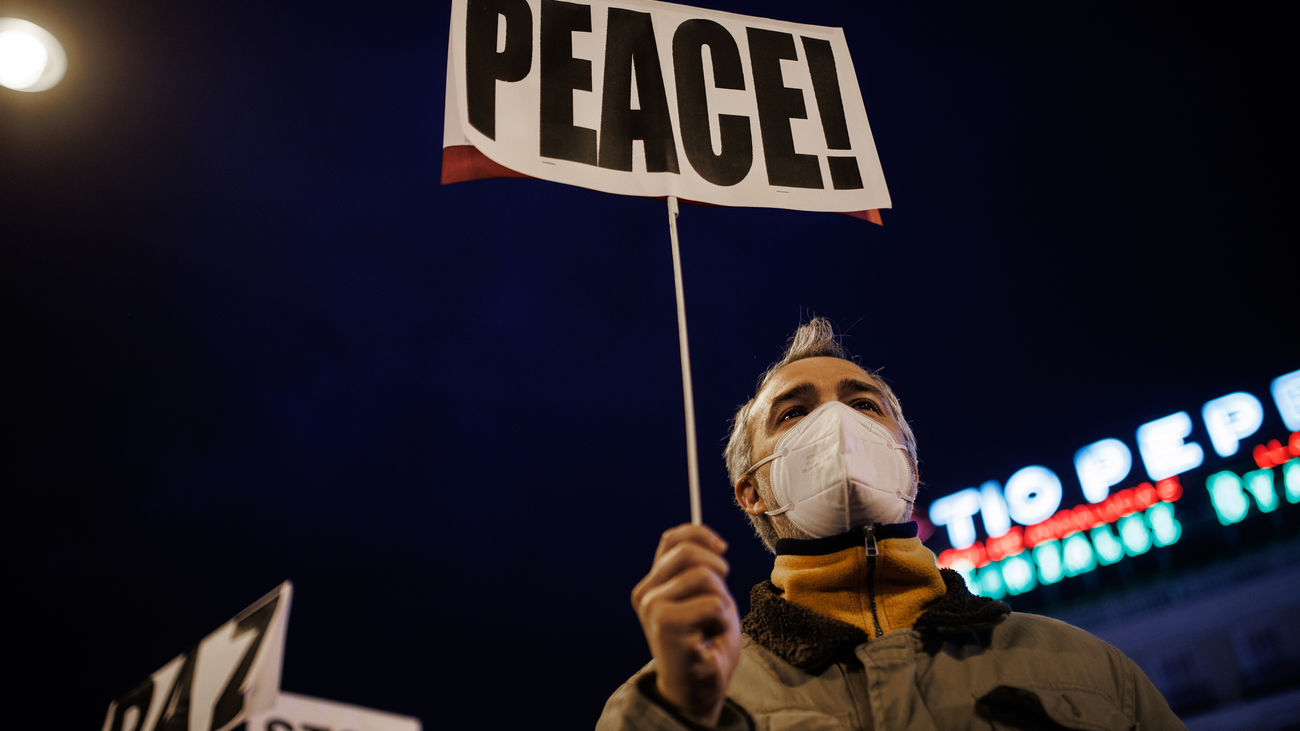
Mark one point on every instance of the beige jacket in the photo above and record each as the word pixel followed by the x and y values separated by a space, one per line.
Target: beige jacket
pixel 965 663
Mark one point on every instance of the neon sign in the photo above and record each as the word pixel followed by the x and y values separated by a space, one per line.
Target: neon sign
pixel 1034 493
pixel 1231 494
pixel 1093 519
pixel 1032 542
pixel 1075 553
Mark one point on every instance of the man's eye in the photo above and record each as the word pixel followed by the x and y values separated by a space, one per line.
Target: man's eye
pixel 794 412
pixel 868 406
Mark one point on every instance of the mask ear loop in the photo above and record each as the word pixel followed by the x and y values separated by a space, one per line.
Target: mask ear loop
pixel 907 458
pixel 754 467
pixel 916 477
pixel 762 462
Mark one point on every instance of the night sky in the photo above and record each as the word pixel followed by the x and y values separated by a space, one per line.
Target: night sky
pixel 250 337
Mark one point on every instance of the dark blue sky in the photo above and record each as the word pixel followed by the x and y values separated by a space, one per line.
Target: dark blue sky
pixel 250 337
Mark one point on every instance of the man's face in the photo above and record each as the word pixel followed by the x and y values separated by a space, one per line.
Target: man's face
pixel 791 394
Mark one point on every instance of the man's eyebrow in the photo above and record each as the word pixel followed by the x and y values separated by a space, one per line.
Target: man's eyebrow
pixel 855 385
pixel 801 391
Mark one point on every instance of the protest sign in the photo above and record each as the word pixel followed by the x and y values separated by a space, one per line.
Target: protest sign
pixel 648 98
pixel 299 713
pixel 230 681
pixel 214 685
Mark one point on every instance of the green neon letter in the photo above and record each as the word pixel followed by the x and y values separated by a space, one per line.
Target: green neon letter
pixel 1164 526
pixel 1019 574
pixel 1259 483
pixel 1230 503
pixel 1291 478
pixel 968 575
pixel 1048 557
pixel 1079 558
pixel 1133 532
pixel 990 582
pixel 1109 549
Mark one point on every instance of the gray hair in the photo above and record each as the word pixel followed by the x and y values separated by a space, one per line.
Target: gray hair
pixel 814 339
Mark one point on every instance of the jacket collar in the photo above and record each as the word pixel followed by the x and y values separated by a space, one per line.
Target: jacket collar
pixel 880 579
pixel 811 641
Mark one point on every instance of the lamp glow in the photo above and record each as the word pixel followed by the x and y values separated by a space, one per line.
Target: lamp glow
pixel 30 58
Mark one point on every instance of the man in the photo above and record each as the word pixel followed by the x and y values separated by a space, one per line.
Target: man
pixel 857 628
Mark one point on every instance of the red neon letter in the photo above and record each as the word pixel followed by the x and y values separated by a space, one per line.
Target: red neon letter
pixel 1169 489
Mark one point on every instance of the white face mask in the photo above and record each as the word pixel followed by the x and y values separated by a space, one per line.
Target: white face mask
pixel 837 469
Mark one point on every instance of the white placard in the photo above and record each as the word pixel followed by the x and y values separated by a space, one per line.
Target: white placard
pixel 648 98
pixel 229 675
pixel 299 713
pixel 230 681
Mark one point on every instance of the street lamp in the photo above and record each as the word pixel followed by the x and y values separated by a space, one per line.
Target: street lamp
pixel 30 58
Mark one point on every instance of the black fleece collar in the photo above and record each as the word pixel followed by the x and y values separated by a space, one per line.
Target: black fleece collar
pixel 812 641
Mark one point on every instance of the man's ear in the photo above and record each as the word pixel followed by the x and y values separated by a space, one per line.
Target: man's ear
pixel 747 495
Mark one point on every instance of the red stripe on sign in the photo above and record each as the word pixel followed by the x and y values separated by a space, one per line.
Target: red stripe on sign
pixel 464 162
pixel 872 215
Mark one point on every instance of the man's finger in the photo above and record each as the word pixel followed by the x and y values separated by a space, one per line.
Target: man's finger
pixel 709 615
pixel 693 582
pixel 682 557
pixel 701 534
pixel 685 556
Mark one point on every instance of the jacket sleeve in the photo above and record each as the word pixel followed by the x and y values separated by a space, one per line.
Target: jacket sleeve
pixel 637 706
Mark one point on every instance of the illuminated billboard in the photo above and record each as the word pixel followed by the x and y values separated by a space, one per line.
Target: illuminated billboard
pixel 1251 466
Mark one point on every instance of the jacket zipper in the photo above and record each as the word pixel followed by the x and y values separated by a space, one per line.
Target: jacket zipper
pixel 873 551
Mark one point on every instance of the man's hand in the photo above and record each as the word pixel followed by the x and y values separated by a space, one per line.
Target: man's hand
pixel 690 621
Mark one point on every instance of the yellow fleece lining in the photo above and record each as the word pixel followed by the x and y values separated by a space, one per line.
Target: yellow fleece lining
pixel 906 578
